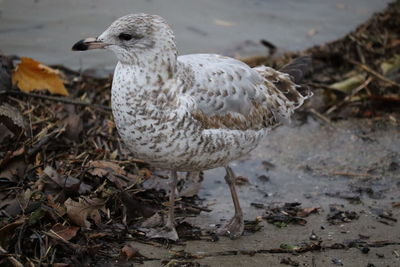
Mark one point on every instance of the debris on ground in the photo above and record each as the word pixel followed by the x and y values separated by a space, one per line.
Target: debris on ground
pixel 282 214
pixel 357 75
pixel 337 215
pixel 253 226
pixel 289 261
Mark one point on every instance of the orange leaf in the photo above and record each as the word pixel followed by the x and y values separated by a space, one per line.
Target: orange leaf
pixel 32 75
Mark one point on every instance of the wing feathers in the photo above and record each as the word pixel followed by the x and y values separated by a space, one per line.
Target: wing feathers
pixel 297 68
pixel 231 95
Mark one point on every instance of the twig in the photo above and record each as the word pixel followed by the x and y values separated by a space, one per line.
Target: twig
pixel 376 74
pixel 55 98
pixel 59 238
pixel 321 117
pixel 33 151
pixel 385 98
pixel 197 207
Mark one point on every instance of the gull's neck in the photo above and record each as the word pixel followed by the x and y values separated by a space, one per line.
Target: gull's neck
pixel 159 62
pixel 148 77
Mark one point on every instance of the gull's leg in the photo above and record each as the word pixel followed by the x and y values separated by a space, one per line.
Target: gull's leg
pixel 234 228
pixel 171 216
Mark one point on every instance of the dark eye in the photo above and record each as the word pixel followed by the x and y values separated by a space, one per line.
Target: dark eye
pixel 125 36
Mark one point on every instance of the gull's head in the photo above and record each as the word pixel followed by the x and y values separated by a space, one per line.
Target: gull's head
pixel 133 36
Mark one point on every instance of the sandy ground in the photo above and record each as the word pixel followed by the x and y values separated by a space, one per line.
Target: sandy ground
pixel 317 165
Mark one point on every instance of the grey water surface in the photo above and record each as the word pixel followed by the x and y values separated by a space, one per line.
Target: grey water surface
pixel 46 29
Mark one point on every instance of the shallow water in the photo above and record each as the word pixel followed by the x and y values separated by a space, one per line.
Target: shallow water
pixel 47 29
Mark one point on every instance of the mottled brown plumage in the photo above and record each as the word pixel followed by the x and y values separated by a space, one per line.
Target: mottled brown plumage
pixel 192 112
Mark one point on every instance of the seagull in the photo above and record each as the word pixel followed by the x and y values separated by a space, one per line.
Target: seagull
pixel 192 112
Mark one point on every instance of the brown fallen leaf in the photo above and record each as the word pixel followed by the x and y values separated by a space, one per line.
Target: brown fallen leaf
pixel 74 126
pixel 65 231
pixel 306 211
pixel 396 204
pixel 135 207
pixel 12 119
pixel 30 75
pixel 14 170
pixel 128 252
pixel 79 212
pixel 112 172
pixel 145 172
pixel 64 181
pixel 58 208
pixel 98 235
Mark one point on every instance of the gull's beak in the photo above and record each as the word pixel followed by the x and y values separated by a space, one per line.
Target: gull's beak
pixel 88 43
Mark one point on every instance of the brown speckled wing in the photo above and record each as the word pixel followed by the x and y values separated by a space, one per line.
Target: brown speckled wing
pixel 231 95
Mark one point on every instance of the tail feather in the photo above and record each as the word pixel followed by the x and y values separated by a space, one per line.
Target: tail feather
pixel 298 68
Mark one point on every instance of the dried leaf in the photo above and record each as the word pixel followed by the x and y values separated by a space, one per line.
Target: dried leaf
pixel 74 126
pixel 396 204
pixel 306 211
pixel 58 208
pixel 346 86
pixel 12 118
pixel 66 181
pixel 395 43
pixel 391 65
pixel 113 172
pixel 153 221
pixel 98 235
pixel 30 75
pixel 79 212
pixel 128 252
pixel 102 168
pixel 64 231
pixel 14 170
pixel 135 207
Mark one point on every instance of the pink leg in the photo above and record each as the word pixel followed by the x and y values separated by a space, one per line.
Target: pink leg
pixel 234 228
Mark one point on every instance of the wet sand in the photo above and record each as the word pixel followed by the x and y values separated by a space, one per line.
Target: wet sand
pixel 312 163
